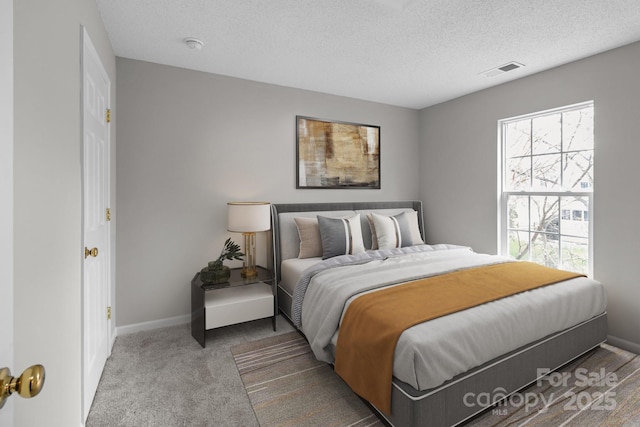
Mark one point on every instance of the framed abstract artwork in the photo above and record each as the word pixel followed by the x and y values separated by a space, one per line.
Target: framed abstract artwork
pixel 333 154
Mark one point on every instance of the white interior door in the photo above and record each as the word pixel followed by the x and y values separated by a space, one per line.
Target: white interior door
pixel 96 298
pixel 6 198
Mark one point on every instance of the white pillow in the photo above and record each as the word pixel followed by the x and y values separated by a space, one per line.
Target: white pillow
pixel 396 231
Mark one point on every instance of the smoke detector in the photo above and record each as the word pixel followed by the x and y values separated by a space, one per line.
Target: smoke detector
pixel 193 43
pixel 510 66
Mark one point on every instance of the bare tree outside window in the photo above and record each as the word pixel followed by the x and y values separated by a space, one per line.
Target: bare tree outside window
pixel 547 187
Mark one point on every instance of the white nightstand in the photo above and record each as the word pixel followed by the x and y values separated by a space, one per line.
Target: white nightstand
pixel 237 301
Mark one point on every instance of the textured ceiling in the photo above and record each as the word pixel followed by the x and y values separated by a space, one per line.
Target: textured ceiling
pixel 411 53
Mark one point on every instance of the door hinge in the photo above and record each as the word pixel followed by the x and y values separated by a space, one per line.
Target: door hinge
pixel 108 214
pixel 108 313
pixel 108 115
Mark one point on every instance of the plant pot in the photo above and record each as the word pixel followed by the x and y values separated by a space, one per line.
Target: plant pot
pixel 215 275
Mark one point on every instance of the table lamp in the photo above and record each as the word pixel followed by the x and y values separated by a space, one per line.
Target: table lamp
pixel 248 218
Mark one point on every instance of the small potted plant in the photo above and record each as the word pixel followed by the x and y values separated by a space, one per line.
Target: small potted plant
pixel 216 272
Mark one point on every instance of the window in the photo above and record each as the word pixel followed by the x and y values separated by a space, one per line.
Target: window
pixel 547 187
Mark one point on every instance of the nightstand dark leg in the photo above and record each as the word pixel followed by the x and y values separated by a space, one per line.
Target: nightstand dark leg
pixel 274 323
pixel 197 312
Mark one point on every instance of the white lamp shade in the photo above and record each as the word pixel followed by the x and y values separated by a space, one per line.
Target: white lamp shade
pixel 245 217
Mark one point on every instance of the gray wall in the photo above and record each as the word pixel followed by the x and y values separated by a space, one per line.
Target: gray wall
pixel 459 157
pixel 48 200
pixel 189 142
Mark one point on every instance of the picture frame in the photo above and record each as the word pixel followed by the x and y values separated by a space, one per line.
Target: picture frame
pixel 334 154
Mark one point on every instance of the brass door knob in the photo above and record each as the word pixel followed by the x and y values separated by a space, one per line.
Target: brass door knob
pixel 27 385
pixel 93 252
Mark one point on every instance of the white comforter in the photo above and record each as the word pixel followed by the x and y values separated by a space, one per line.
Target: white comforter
pixel 431 353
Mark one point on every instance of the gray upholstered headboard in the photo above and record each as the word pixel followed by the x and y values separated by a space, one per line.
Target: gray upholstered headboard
pixel 286 242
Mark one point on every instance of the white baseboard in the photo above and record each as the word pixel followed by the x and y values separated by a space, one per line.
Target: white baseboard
pixel 112 339
pixel 154 324
pixel 623 344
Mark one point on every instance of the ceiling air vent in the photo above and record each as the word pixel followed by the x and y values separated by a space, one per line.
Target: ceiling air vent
pixel 502 69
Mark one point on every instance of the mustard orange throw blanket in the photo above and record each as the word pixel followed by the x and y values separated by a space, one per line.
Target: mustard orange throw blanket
pixel 373 322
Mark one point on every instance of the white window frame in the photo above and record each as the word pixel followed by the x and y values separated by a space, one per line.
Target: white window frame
pixel 503 194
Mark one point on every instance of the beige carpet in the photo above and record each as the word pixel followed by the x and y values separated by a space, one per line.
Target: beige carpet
pixel 287 386
pixel 164 378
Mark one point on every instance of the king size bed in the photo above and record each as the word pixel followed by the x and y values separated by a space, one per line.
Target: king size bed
pixel 335 262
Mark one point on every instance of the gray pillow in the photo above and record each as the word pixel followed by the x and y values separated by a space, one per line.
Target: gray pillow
pixel 340 236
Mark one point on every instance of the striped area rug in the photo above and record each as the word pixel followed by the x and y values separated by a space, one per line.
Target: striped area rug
pixel 287 386
pixel 600 388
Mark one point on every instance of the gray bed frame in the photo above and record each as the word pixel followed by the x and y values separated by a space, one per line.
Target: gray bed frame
pixel 443 405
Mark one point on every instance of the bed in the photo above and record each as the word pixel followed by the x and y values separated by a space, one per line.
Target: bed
pixel 496 348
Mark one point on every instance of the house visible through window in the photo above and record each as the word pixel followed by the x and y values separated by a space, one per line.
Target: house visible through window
pixel 547 187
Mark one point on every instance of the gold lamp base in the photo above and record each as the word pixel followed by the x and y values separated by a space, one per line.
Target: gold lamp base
pixel 247 218
pixel 249 273
pixel 249 270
